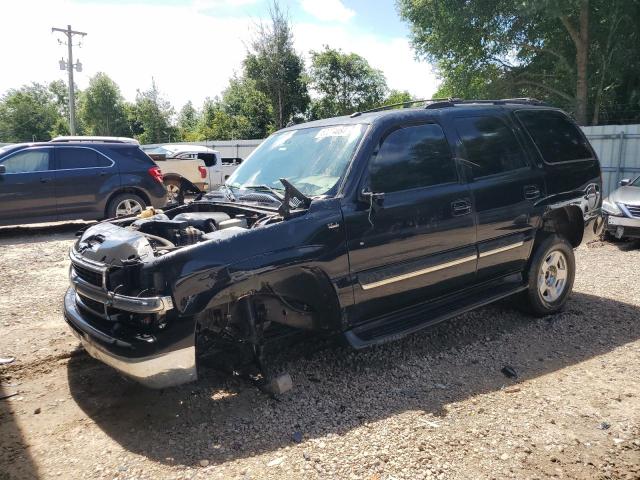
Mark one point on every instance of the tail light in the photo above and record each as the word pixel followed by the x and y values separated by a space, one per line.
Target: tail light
pixel 203 171
pixel 156 173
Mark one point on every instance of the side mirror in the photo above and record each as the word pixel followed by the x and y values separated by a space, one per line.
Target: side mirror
pixel 374 199
pixel 625 181
pixel 3 169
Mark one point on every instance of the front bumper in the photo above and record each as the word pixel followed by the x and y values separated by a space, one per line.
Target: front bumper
pixel 623 226
pixel 160 370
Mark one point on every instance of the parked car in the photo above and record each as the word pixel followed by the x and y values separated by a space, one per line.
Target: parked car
pixel 72 178
pixel 622 210
pixel 368 227
pixel 178 161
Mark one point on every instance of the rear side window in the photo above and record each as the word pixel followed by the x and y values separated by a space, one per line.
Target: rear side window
pixel 412 157
pixel 133 153
pixel 557 138
pixel 38 160
pixel 491 145
pixel 73 158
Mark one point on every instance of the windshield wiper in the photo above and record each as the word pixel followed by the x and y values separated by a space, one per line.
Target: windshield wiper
pixel 271 190
pixel 230 195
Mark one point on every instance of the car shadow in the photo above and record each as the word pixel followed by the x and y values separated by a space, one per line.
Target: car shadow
pixel 14 444
pixel 222 418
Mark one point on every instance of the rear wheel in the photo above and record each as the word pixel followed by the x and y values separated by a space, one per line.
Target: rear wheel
pixel 174 190
pixel 551 276
pixel 125 204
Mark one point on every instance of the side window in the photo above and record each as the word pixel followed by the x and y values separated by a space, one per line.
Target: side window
pixel 72 158
pixel 28 161
pixel 412 157
pixel 491 145
pixel 557 138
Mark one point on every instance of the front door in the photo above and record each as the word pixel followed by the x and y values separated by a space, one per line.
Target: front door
pixel 420 243
pixel 83 177
pixel 27 192
pixel 505 185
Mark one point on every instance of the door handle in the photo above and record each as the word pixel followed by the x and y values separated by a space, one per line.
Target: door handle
pixel 461 207
pixel 531 192
pixel 45 180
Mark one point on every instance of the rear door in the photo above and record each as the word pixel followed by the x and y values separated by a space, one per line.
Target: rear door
pixel 83 177
pixel 27 191
pixel 505 185
pixel 421 243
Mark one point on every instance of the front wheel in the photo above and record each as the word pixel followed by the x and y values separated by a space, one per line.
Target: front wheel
pixel 551 275
pixel 125 204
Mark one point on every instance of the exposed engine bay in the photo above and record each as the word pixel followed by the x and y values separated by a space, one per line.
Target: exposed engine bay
pixel 154 233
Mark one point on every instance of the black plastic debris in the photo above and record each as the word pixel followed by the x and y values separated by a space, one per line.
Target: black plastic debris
pixel 604 426
pixel 297 437
pixel 509 372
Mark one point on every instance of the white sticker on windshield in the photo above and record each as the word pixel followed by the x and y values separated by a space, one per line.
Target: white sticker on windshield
pixel 340 131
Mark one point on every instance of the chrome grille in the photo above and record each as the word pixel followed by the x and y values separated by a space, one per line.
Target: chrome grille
pixel 634 210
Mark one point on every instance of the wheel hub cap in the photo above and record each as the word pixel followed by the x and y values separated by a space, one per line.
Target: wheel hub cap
pixel 128 207
pixel 552 278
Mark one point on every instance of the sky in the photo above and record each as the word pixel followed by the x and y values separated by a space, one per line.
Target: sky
pixel 192 47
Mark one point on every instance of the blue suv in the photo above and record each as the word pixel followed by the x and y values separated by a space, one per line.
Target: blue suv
pixel 73 178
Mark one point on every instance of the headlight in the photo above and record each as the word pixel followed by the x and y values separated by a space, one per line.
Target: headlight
pixel 610 207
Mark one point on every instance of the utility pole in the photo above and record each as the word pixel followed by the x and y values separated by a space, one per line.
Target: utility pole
pixel 69 66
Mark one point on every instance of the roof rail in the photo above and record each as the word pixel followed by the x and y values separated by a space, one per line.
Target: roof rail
pixel 401 104
pixel 433 103
pixel 95 139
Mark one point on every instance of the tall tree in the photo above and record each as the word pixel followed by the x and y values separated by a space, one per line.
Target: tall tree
pixel 242 99
pixel 150 117
pixel 345 82
pixel 102 108
pixel 276 68
pixel 28 113
pixel 575 53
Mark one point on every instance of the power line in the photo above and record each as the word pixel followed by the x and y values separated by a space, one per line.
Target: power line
pixel 70 66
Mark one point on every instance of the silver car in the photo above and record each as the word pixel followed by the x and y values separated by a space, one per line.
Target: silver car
pixel 622 209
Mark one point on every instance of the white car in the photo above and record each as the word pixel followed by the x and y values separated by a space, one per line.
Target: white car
pixel 217 169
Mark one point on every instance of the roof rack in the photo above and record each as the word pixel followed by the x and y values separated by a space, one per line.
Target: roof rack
pixel 94 139
pixel 433 103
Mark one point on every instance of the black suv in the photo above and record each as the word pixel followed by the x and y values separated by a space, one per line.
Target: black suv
pixel 76 178
pixel 369 227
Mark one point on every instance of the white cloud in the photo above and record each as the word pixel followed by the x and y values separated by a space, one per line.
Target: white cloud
pixel 189 54
pixel 327 10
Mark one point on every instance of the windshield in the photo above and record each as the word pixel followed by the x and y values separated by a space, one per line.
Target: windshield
pixel 312 159
pixel 636 182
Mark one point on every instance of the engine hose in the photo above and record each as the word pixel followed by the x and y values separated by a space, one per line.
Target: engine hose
pixel 164 241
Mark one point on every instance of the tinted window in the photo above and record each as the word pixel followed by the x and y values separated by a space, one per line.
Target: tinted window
pixel 71 158
pixel 490 144
pixel 28 161
pixel 557 138
pixel 412 157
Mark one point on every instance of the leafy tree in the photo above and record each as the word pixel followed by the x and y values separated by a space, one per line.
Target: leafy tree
pixel 28 113
pixel 345 83
pixel 102 109
pixel 242 99
pixel 188 121
pixel 150 117
pixel 398 96
pixel 579 54
pixel 276 69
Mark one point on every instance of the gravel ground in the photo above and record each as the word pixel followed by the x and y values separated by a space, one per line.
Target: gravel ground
pixel 434 405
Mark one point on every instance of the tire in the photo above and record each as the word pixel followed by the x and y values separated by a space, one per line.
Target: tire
pixel 550 277
pixel 174 190
pixel 125 204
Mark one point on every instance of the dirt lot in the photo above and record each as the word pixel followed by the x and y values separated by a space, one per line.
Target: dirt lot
pixel 434 405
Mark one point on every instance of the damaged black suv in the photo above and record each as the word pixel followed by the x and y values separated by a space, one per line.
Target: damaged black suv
pixel 368 227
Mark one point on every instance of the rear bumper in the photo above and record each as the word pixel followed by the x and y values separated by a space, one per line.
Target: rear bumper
pixel 159 369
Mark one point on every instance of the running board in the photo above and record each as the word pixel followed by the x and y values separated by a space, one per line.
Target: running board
pixel 409 320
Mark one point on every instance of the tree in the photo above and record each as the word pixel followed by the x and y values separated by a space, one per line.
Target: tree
pixel 577 54
pixel 345 83
pixel 187 121
pixel 150 117
pixel 242 99
pixel 28 113
pixel 276 69
pixel 102 110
